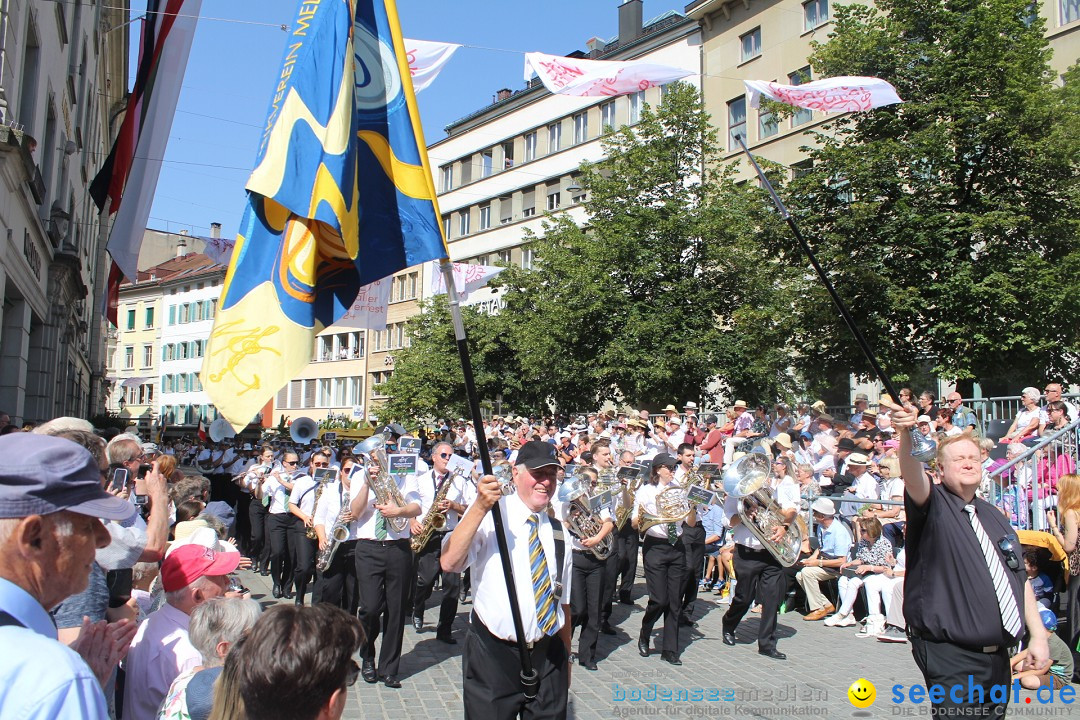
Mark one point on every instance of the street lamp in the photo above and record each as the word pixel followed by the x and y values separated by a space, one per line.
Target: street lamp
pixel 122 404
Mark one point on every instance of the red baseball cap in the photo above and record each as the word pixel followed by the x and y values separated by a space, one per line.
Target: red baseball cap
pixel 188 563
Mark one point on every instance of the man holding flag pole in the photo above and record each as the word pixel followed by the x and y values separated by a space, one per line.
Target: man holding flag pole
pixel 341 196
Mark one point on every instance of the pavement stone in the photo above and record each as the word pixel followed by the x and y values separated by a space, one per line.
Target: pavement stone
pixel 726 681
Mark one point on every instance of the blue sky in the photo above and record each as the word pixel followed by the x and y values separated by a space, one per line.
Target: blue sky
pixel 235 61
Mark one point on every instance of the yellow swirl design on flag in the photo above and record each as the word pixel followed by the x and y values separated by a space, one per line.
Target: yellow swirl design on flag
pixel 343 109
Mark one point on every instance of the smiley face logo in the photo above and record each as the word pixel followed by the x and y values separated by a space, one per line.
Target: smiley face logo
pixel 862 693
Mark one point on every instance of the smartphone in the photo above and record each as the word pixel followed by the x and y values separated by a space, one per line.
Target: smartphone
pixel 141 500
pixel 119 584
pixel 119 479
pixel 143 469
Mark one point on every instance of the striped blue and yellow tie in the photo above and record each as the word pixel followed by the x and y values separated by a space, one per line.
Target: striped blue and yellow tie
pixel 541 580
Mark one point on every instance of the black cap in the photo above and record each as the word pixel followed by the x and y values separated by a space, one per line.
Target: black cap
pixel 710 419
pixel 664 459
pixel 537 454
pixel 41 474
pixel 845 444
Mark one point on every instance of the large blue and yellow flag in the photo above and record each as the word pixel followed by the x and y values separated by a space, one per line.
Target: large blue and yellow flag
pixel 341 195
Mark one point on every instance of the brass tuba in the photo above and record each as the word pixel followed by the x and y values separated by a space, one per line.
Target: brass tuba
pixel 303 430
pixel 582 522
pixel 748 480
pixel 384 485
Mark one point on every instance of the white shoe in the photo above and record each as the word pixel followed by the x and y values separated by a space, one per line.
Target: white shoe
pixel 874 625
pixel 834 619
pixel 846 620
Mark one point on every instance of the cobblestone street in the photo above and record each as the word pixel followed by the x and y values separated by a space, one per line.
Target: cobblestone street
pixel 813 682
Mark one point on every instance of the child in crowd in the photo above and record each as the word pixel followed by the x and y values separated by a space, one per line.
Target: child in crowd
pixel 1040 581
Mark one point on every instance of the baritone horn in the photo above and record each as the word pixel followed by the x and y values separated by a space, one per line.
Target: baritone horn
pixel 748 480
pixel 672 506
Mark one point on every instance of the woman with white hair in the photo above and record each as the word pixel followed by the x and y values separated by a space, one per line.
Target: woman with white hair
pixel 1029 422
pixel 215 627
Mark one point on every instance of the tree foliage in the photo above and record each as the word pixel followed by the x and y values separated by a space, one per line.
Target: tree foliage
pixel 949 222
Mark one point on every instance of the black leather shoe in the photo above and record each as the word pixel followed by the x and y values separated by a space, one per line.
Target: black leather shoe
pixel 418 623
pixel 463 596
pixel 774 654
pixel 276 592
pixel 391 681
pixel 288 593
pixel 445 638
pixel 687 622
pixel 671 658
pixel 367 671
pixel 643 645
pixel 729 638
pixel 590 665
pixel 625 600
pixel 607 629
pixel 265 572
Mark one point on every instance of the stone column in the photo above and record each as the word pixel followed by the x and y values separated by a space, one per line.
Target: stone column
pixel 14 356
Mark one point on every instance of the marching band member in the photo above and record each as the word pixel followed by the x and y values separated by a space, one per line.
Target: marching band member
pixel 665 562
pixel 693 542
pixel 277 485
pixel 427 559
pixel 302 506
pixel 384 570
pixel 591 591
pixel 604 461
pixel 254 483
pixel 337 583
pixel 490 664
pixel 628 542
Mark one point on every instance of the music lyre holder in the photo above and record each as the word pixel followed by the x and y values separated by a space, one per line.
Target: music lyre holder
pixel 923 448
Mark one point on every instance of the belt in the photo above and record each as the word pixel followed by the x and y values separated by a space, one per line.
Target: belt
pixel 920 635
pixel 482 630
pixel 383 543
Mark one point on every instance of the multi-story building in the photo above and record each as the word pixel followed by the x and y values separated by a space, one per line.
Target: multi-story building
pixel 133 365
pixel 755 40
pixel 63 79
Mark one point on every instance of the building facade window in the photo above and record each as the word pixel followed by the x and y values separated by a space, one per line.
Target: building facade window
pixel 486 160
pixel 581 127
pixel 530 146
pixel 485 217
pixel 526 258
pixel 607 116
pixel 815 14
pixel 131 319
pixel 767 124
pixel 148 356
pixel 802 115
pixel 149 318
pixel 447 178
pixel 750 44
pixel 554 137
pixel 637 100
pixel 1069 11
pixel 553 196
pixel 736 121
pixel 528 203
pixel 463 223
pixel 129 357
pixel 446 226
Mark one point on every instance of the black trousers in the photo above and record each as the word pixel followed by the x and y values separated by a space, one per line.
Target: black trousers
pixel 384 575
pixel 628 542
pixel 258 547
pixel 756 570
pixel 588 594
pixel 665 573
pixel 946 664
pixel 611 577
pixel 492 686
pixel 693 540
pixel 337 585
pixel 242 523
pixel 427 570
pixel 304 551
pixel 282 550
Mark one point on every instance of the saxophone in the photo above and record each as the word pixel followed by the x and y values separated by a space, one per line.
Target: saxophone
pixel 310 531
pixel 384 485
pixel 338 534
pixel 435 519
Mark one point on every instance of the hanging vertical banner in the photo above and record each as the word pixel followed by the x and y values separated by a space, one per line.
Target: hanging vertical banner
pixel 312 234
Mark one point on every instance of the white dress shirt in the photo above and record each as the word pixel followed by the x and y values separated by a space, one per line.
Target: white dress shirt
pixel 646 498
pixel 739 533
pixel 278 494
pixel 560 509
pixel 365 522
pixel 329 507
pixel 426 485
pixel 303 494
pixel 489 583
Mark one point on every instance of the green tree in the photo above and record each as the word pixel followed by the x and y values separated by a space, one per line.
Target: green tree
pixel 665 290
pixel 949 223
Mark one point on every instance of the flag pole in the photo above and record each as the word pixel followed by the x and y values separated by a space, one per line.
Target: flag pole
pixel 530 679
pixel 860 339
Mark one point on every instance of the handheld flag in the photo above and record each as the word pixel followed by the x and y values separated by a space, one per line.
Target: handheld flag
pixel 570 76
pixel 837 94
pixel 341 196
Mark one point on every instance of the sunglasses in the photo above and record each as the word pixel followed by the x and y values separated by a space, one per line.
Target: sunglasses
pixel 1008 549
pixel 353 674
pixel 445 456
pixel 288 462
pixel 325 464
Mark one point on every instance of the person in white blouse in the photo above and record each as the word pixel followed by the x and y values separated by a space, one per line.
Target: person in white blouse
pixel 384 570
pixel 664 558
pixel 302 506
pixel 490 663
pixel 276 486
pixel 337 583
pixel 452 506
